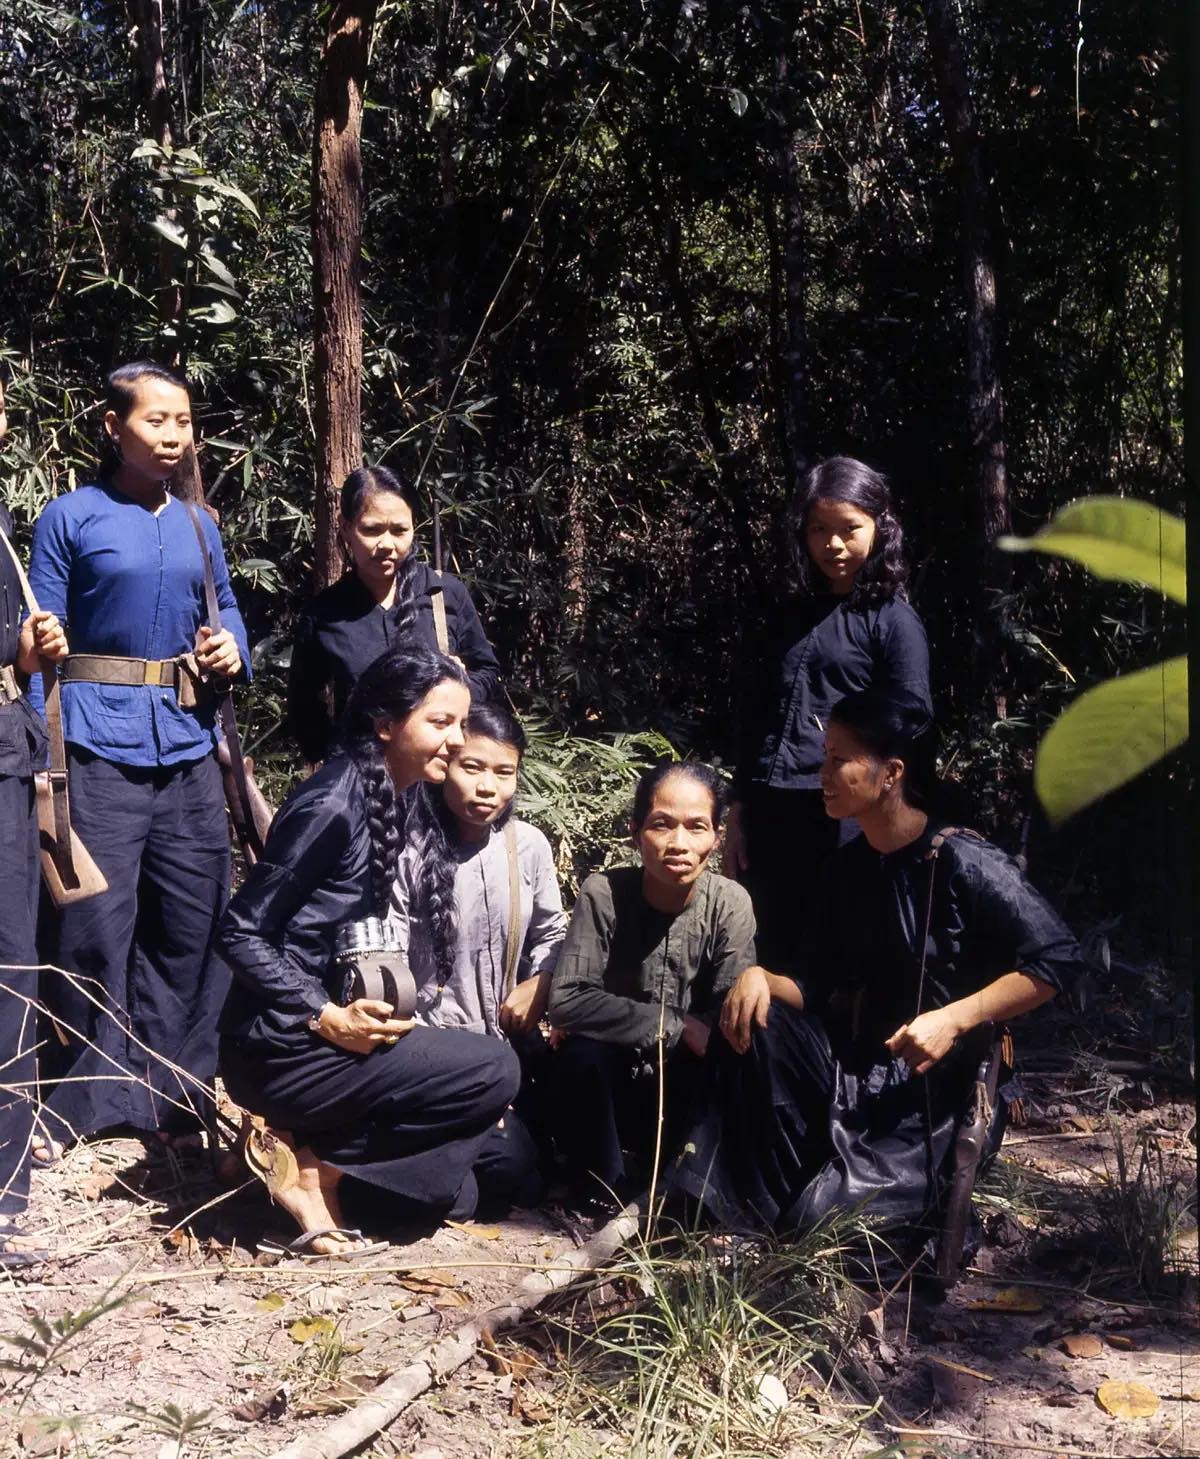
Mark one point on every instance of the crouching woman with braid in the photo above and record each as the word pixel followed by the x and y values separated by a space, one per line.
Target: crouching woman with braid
pixel 353 1090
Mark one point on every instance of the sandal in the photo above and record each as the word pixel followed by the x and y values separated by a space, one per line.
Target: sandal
pixel 300 1246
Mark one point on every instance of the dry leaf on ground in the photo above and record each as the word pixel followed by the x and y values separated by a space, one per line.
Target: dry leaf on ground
pixel 484 1233
pixel 1009 1299
pixel 271 1302
pixel 269 1404
pixel 306 1328
pixel 1082 1345
pixel 1122 1342
pixel 1127 1400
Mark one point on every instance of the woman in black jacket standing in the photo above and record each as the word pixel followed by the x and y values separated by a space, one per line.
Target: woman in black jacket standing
pixel 385 596
pixel 847 627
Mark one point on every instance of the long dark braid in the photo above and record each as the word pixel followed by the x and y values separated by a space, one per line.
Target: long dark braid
pixel 390 688
pixel 357 488
pixel 429 836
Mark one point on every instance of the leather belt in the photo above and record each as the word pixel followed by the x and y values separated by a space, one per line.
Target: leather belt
pixel 10 690
pixel 109 669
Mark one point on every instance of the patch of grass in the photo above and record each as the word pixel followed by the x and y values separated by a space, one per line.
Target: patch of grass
pixel 1142 1207
pixel 703 1348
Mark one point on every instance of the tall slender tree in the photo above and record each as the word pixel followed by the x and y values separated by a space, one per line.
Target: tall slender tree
pixel 337 226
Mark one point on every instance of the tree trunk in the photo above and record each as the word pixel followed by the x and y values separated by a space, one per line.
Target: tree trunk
pixel 985 400
pixel 337 215
pixel 146 17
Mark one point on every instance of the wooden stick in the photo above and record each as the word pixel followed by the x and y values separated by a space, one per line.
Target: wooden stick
pixel 441 1358
pixel 985 1441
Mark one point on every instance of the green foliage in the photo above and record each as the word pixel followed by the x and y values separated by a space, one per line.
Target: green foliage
pixel 1117 539
pixel 1122 727
pixel 579 792
pixel 674 1366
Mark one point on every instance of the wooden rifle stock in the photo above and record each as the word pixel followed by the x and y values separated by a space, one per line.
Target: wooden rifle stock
pixel 250 837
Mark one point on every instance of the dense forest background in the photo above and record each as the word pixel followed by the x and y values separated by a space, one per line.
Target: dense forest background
pixel 627 267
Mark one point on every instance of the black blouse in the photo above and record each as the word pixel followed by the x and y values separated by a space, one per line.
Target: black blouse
pixel 277 934
pixel 863 959
pixel 818 651
pixel 344 629
pixel 22 732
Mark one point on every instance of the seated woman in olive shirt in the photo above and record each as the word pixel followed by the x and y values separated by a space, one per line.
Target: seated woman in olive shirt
pixel 385 597
pixel 649 954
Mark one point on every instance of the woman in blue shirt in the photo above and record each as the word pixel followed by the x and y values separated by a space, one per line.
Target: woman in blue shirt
pixel 134 1040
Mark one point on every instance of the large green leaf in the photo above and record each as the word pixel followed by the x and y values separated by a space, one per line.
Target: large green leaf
pixel 1109 735
pixel 1116 537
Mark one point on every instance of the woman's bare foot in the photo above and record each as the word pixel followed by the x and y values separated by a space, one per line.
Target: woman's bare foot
pixel 45 1151
pixel 313 1202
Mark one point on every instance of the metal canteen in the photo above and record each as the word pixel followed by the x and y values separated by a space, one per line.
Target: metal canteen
pixel 368 953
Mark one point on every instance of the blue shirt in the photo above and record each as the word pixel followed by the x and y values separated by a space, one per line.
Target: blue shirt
pixel 130 582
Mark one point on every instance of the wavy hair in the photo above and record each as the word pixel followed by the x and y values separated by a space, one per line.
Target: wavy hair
pixel 120 395
pixel 357 490
pixel 843 479
pixel 390 688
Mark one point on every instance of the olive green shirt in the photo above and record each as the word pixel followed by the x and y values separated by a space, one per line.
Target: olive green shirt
pixel 622 958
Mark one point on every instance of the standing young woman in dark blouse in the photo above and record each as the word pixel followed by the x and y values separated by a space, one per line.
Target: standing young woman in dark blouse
pixel 848 1084
pixel 121 563
pixel 25 649
pixel 384 597
pixel 408 1110
pixel 847 627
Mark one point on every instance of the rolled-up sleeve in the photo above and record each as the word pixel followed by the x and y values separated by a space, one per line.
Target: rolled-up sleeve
pixel 1015 927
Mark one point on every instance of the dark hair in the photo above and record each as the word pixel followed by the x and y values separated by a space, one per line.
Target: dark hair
pixel 357 489
pixel 843 479
pixel 391 687
pixel 705 775
pixel 893 725
pixel 120 394
pixel 493 721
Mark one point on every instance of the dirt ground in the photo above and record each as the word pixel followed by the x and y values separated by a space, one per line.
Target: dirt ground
pixel 208 1349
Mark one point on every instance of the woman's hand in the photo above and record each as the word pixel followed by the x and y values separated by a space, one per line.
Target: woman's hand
pixel 928 1038
pixel 733 851
pixel 218 653
pixel 695 1036
pixel 362 1026
pixel 747 1003
pixel 522 1010
pixel 42 642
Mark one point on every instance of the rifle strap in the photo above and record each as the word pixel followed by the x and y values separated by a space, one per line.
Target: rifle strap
pixel 224 696
pixel 437 598
pixel 59 793
pixel 512 939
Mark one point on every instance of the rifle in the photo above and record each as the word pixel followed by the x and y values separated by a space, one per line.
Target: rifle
pixel 249 809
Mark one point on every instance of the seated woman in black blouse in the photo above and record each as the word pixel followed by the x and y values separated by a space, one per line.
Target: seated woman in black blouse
pixel 384 598
pixel 351 1089
pixel 848 1085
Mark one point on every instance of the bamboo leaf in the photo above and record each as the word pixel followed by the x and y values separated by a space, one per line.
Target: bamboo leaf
pixel 1116 538
pixel 1109 735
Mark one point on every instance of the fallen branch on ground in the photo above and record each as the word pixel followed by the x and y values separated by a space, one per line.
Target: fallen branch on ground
pixel 443 1357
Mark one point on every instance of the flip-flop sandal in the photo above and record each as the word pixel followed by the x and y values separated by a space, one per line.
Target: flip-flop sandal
pixel 300 1246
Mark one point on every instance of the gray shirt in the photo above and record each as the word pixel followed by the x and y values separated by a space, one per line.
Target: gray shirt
pixel 471 999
